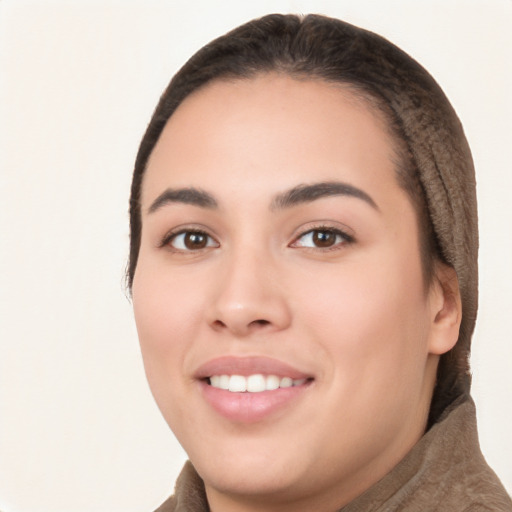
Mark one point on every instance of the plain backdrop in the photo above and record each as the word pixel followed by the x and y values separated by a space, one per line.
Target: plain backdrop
pixel 79 431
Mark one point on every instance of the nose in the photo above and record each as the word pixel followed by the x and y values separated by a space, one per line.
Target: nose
pixel 248 297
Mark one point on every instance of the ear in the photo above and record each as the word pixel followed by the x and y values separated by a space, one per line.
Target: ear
pixel 446 309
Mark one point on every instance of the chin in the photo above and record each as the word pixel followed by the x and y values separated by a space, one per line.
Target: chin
pixel 254 481
pixel 242 471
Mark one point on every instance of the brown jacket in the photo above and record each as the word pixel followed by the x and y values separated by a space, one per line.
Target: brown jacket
pixel 444 472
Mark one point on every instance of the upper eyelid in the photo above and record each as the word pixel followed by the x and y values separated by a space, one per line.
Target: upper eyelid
pixel 325 226
pixel 193 227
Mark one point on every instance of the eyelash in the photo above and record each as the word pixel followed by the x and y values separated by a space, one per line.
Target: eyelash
pixel 338 233
pixel 346 239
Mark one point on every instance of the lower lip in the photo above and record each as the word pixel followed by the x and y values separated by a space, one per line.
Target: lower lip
pixel 251 407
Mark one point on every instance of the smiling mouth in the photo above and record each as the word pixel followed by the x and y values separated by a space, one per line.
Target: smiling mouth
pixel 248 390
pixel 256 383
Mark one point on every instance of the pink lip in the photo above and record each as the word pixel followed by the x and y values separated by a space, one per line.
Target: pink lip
pixel 250 407
pixel 229 365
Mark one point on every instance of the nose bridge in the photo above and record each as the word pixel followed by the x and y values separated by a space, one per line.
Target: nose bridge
pixel 248 295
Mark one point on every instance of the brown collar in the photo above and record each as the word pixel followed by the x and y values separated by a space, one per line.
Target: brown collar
pixel 445 471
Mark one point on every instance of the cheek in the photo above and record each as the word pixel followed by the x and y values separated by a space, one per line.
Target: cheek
pixel 370 317
pixel 165 307
pixel 167 318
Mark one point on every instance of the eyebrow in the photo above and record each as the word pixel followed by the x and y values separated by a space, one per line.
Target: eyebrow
pixel 308 193
pixel 188 195
pixel 293 197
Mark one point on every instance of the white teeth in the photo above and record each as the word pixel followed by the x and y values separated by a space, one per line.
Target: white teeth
pixel 224 382
pixel 237 383
pixel 286 382
pixel 256 383
pixel 272 382
pixel 253 383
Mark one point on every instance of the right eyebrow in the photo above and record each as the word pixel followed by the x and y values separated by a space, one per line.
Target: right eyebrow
pixel 189 195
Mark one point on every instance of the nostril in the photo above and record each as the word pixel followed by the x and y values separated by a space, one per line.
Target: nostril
pixel 260 322
pixel 239 324
pixel 219 324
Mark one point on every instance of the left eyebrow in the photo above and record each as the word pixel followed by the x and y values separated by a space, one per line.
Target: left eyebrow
pixel 308 193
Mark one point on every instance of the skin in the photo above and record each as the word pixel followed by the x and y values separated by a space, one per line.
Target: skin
pixel 356 315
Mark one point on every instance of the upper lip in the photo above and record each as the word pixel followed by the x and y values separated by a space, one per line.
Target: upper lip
pixel 245 366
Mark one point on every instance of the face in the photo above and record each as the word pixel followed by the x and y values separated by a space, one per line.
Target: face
pixel 286 331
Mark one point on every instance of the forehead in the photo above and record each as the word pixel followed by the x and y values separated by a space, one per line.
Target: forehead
pixel 260 129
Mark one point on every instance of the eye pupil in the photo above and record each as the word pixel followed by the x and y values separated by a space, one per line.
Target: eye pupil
pixel 324 238
pixel 195 240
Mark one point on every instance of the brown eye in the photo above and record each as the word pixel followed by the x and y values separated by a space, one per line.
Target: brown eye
pixel 191 241
pixel 324 238
pixel 195 240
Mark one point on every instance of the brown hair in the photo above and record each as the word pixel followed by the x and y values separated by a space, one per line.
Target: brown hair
pixel 391 82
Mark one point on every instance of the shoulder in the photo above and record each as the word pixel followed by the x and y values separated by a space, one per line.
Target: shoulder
pixel 444 472
pixel 169 505
pixel 189 494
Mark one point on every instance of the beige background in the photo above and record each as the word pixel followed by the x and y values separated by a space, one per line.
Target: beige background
pixel 78 82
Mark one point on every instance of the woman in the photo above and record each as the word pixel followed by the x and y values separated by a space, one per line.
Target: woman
pixel 303 270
